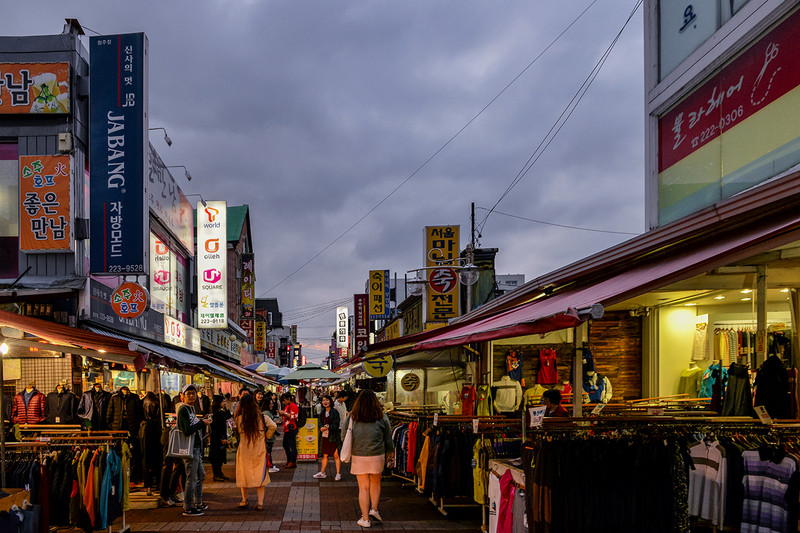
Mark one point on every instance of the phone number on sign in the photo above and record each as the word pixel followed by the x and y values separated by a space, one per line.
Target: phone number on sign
pixel 126 268
pixel 724 122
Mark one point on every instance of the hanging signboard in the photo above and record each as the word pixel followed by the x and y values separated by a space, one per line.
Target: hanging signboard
pixel 212 277
pixel 129 300
pixel 443 300
pixel 271 355
pixel 361 321
pixel 118 154
pixel 342 337
pixel 167 201
pixel 260 340
pixel 248 280
pixel 378 294
pixel 378 367
pixel 45 205
pixel 36 88
pixel 162 286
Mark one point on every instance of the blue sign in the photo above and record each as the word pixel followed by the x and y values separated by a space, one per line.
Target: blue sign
pixel 119 218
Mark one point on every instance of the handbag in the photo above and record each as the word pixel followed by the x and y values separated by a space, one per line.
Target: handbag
pixel 180 445
pixel 347 446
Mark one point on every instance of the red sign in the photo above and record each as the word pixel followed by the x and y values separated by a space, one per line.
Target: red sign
pixel 443 280
pixel 249 326
pixel 270 351
pixel 769 69
pixel 129 300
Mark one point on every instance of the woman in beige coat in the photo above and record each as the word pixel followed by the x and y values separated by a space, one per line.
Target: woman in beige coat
pixel 252 468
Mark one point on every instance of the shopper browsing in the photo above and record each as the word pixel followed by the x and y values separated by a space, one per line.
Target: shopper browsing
pixel 330 438
pixel 289 413
pixel 372 447
pixel 551 398
pixel 189 424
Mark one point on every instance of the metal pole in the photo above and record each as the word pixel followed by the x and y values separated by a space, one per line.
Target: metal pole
pixel 761 314
pixel 2 422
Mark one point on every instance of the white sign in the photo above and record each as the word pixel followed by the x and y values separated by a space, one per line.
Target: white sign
pixel 761 411
pixel 537 415
pixel 161 274
pixel 597 408
pixel 212 276
pixel 342 340
pixel 180 334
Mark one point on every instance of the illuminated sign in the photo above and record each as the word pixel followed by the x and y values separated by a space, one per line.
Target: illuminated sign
pixel 342 339
pixel 180 334
pixel 261 336
pixel 248 283
pixel 45 214
pixel 129 300
pixel 162 285
pixel 378 367
pixel 212 278
pixel 361 321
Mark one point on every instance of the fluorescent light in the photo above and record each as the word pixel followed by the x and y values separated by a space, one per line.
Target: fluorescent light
pixel 746 299
pixel 746 291
pixel 719 297
pixel 690 303
pixel 784 290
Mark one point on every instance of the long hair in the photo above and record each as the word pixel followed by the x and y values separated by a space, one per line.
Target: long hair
pixel 216 403
pixel 330 400
pixel 367 407
pixel 249 414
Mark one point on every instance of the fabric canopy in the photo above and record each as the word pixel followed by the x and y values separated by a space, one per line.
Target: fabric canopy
pixel 67 337
pixel 559 311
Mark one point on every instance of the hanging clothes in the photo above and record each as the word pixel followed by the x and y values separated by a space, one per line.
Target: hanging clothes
pixel 468 397
pixel 548 369
pixel 514 366
pixel 485 405
pixel 738 396
pixel 772 387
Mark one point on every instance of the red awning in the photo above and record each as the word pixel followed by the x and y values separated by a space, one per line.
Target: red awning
pixel 558 311
pixel 66 336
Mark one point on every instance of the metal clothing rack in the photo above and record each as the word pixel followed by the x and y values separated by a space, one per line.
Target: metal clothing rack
pixel 50 436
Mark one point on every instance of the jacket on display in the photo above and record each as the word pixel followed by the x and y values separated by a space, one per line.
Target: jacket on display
pixel 124 412
pixel 60 407
pixel 93 407
pixel 32 413
pixel 772 387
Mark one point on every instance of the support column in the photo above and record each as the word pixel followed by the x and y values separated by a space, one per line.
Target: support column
pixel 580 335
pixel 761 314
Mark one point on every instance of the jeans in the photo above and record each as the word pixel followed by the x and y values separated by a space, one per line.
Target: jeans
pixel 171 474
pixel 195 475
pixel 290 445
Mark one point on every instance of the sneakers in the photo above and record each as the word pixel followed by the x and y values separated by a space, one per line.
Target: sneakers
pixel 289 465
pixel 193 512
pixel 274 470
pixel 219 478
pixel 174 501
pixel 160 503
pixel 338 477
pixel 361 522
pixel 319 475
pixel 374 514
pixel 204 506
pixel 178 497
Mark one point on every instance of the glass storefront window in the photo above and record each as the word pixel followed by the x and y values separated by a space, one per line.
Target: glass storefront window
pixel 9 210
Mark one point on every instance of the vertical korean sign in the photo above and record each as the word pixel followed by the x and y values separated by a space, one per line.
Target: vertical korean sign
pixel 378 294
pixel 212 276
pixel 361 319
pixel 162 287
pixel 118 154
pixel 45 215
pixel 248 278
pixel 342 339
pixel 271 352
pixel 260 336
pixel 442 251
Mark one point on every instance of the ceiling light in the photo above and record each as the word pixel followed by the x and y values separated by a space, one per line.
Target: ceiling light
pixel 690 303
pixel 719 297
pixel 746 291
pixel 784 290
pixel 746 299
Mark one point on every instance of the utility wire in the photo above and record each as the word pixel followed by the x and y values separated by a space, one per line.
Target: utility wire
pixel 425 163
pixel 558 225
pixel 562 118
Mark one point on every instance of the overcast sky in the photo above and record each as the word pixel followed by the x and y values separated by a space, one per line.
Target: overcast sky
pixel 314 112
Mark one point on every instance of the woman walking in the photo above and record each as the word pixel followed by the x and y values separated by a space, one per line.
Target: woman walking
pixel 218 438
pixel 372 446
pixel 251 456
pixel 331 437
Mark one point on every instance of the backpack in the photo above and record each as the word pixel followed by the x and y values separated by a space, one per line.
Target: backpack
pixel 302 416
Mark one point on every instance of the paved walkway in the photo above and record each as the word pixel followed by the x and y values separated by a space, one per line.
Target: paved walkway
pixel 296 502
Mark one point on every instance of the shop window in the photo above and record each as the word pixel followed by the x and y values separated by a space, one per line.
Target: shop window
pixel 9 210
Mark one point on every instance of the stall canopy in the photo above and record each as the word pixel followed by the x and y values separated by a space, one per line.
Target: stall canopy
pixel 177 358
pixel 69 339
pixel 559 311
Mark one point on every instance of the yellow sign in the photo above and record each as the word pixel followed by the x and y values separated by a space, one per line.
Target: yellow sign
pixel 308 440
pixel 434 325
pixel 410 382
pixel 393 329
pixel 378 367
pixel 378 294
pixel 442 250
pixel 261 336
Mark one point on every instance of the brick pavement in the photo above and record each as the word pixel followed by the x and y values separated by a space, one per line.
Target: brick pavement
pixel 295 502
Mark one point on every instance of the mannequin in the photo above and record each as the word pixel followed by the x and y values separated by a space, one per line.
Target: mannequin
pixel 125 413
pixel 93 407
pixel 60 405
pixel 509 394
pixel 691 380
pixel 598 387
pixel 485 405
pixel 29 406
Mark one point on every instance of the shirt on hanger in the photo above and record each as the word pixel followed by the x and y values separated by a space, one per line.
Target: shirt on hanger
pixel 548 370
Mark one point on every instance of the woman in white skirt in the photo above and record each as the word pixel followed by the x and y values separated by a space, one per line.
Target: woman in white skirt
pixel 372 447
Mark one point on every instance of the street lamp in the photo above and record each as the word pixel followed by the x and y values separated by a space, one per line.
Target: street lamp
pixel 469 274
pixel 199 196
pixel 166 137
pixel 185 170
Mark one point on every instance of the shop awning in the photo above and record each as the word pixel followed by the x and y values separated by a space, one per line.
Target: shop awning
pixel 71 340
pixel 251 376
pixel 175 357
pixel 559 311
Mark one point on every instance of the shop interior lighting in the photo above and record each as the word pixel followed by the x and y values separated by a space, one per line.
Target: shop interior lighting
pixel 166 137
pixel 3 348
pixel 719 297
pixel 784 290
pixel 690 304
pixel 746 291
pixel 746 299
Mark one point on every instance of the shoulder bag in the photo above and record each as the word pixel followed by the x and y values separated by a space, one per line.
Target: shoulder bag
pixel 180 445
pixel 347 446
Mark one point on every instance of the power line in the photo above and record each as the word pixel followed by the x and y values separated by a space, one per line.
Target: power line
pixel 425 163
pixel 562 118
pixel 559 225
